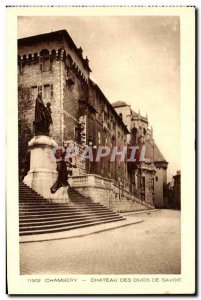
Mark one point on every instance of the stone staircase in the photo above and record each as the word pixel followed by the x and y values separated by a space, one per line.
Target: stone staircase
pixel 38 216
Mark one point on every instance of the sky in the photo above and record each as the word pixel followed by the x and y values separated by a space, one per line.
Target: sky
pixel 135 59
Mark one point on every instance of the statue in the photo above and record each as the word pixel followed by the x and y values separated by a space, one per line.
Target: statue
pixel 43 117
pixel 49 117
pixel 62 169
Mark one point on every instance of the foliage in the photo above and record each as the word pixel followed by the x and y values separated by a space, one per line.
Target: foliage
pixel 24 129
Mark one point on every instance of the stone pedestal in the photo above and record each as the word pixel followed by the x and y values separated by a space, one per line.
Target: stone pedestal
pixel 43 174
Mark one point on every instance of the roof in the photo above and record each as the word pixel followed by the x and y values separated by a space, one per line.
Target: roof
pixel 122 104
pixel 54 35
pixel 153 153
pixel 119 104
pixel 177 174
pixel 110 105
pixel 134 114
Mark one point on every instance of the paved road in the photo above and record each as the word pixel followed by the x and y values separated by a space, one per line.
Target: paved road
pixel 151 247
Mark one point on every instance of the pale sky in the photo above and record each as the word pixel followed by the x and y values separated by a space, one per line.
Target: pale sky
pixel 135 59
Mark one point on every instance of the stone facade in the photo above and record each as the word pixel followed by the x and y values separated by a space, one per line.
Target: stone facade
pixel 141 175
pixel 106 128
pixel 52 65
pixel 46 66
pixel 160 184
pixel 147 180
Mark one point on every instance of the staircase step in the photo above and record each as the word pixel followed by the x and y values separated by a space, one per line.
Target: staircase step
pixel 52 209
pixel 38 215
pixel 57 223
pixel 70 209
pixel 32 204
pixel 66 228
pixel 65 217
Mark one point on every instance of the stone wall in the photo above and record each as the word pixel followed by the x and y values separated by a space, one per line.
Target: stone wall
pixel 101 190
pixel 109 199
pixel 33 78
pixel 158 188
pixel 73 93
pixel 106 129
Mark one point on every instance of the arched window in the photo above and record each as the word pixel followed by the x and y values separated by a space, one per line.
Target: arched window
pixel 134 136
pixel 144 131
pixel 120 115
pixel 45 63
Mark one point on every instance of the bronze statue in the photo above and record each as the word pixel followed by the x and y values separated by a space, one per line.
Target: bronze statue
pixel 43 117
pixel 62 168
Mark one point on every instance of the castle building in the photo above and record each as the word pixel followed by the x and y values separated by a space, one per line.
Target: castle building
pixel 52 65
pixel 149 176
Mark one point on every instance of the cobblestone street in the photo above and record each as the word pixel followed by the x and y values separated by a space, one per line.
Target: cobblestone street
pixel 150 247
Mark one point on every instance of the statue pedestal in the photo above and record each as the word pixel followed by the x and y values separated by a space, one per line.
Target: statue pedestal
pixel 43 174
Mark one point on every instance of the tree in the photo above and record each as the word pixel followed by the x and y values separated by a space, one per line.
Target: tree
pixel 25 106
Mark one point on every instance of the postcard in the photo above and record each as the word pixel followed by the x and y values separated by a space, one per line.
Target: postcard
pixel 100 150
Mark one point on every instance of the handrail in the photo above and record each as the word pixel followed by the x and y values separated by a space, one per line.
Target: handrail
pixel 137 200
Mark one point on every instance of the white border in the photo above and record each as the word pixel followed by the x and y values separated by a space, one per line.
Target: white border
pixel 186 232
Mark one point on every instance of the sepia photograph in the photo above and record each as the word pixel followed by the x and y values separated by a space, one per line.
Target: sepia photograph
pixel 99 147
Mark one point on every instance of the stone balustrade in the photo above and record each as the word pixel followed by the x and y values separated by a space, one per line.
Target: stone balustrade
pixel 104 191
pixel 90 180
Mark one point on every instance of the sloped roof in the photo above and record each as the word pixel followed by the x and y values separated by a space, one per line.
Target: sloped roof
pixel 153 153
pixel 134 114
pixel 119 104
pixel 122 104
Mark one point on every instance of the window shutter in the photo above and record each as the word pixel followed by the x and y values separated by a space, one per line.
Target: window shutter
pixel 40 90
pixel 51 91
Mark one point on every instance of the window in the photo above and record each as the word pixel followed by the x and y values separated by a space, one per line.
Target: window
pixel 143 188
pixel 103 116
pixel 134 136
pixel 48 91
pixel 156 178
pixel 45 63
pixel 76 133
pixel 34 92
pixel 99 138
